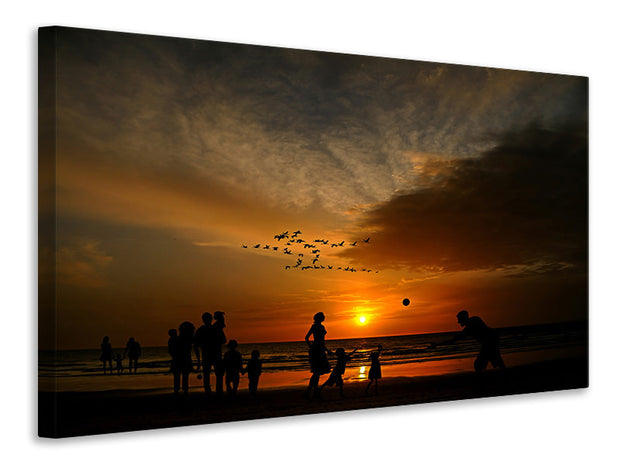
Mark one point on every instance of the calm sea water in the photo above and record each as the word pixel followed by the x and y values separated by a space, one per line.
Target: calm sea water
pixel 286 363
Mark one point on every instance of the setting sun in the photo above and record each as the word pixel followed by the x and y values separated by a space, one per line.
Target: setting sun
pixel 362 320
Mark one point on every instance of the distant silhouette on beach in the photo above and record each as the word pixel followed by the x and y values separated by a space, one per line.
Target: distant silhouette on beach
pixel 374 374
pixel 106 354
pixel 254 368
pixel 233 366
pixel 474 327
pixel 118 358
pixel 133 352
pixel 220 340
pixel 172 336
pixel 336 375
pixel 182 357
pixel 319 364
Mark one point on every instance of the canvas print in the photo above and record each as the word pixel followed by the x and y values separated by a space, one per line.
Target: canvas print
pixel 232 232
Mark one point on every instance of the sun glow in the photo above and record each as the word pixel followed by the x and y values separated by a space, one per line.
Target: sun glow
pixel 361 320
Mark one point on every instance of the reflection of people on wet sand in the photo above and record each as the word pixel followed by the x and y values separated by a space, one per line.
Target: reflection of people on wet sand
pixel 182 357
pixel 119 364
pixel 475 328
pixel 132 352
pixel 336 376
pixel 233 366
pixel 106 354
pixel 374 374
pixel 254 369
pixel 319 364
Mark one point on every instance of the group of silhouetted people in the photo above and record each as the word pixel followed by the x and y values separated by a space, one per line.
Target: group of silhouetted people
pixel 207 342
pixel 132 352
pixel 473 327
pixel 319 363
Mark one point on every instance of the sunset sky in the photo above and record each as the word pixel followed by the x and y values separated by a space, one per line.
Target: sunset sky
pixel 471 183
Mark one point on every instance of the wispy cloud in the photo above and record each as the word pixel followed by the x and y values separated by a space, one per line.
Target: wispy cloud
pixel 82 264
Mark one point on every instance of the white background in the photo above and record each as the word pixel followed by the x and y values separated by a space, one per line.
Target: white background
pixel 562 37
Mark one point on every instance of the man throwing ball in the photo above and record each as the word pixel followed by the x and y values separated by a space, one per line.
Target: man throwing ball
pixel 475 328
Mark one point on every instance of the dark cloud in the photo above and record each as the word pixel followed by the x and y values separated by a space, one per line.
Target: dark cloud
pixel 522 204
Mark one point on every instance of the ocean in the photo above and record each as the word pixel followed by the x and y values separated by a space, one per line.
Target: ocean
pixel 286 363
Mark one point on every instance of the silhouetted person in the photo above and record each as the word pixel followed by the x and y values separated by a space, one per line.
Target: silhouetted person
pixel 205 346
pixel 220 340
pixel 106 354
pixel 182 357
pixel 374 374
pixel 233 366
pixel 336 375
pixel 172 336
pixel 317 353
pixel 475 328
pixel 119 364
pixel 254 369
pixel 132 352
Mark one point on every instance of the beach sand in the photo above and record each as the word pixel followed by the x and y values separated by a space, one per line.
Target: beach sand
pixel 87 413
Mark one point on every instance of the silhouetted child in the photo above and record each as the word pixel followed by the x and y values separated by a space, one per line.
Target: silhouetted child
pixel 233 365
pixel 171 341
pixel 374 374
pixel 254 369
pixel 336 375
pixel 119 364
pixel 106 354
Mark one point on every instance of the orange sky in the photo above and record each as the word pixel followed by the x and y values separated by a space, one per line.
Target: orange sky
pixel 471 184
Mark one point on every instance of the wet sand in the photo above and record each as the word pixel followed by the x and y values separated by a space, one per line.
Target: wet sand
pixel 86 413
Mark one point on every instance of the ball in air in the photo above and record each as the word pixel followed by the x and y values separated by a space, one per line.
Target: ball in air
pixel 406 302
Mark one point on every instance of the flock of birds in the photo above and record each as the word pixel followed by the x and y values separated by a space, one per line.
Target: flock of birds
pixel 310 260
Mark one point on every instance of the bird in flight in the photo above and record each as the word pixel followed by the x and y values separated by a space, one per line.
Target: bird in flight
pixel 367 240
pixel 244 246
pixel 257 246
pixel 354 244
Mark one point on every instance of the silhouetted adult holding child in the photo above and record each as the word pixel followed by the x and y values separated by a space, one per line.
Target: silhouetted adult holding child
pixel 106 354
pixel 182 357
pixel 374 374
pixel 336 375
pixel 475 328
pixel 319 364
pixel 233 366
pixel 133 352
pixel 254 369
